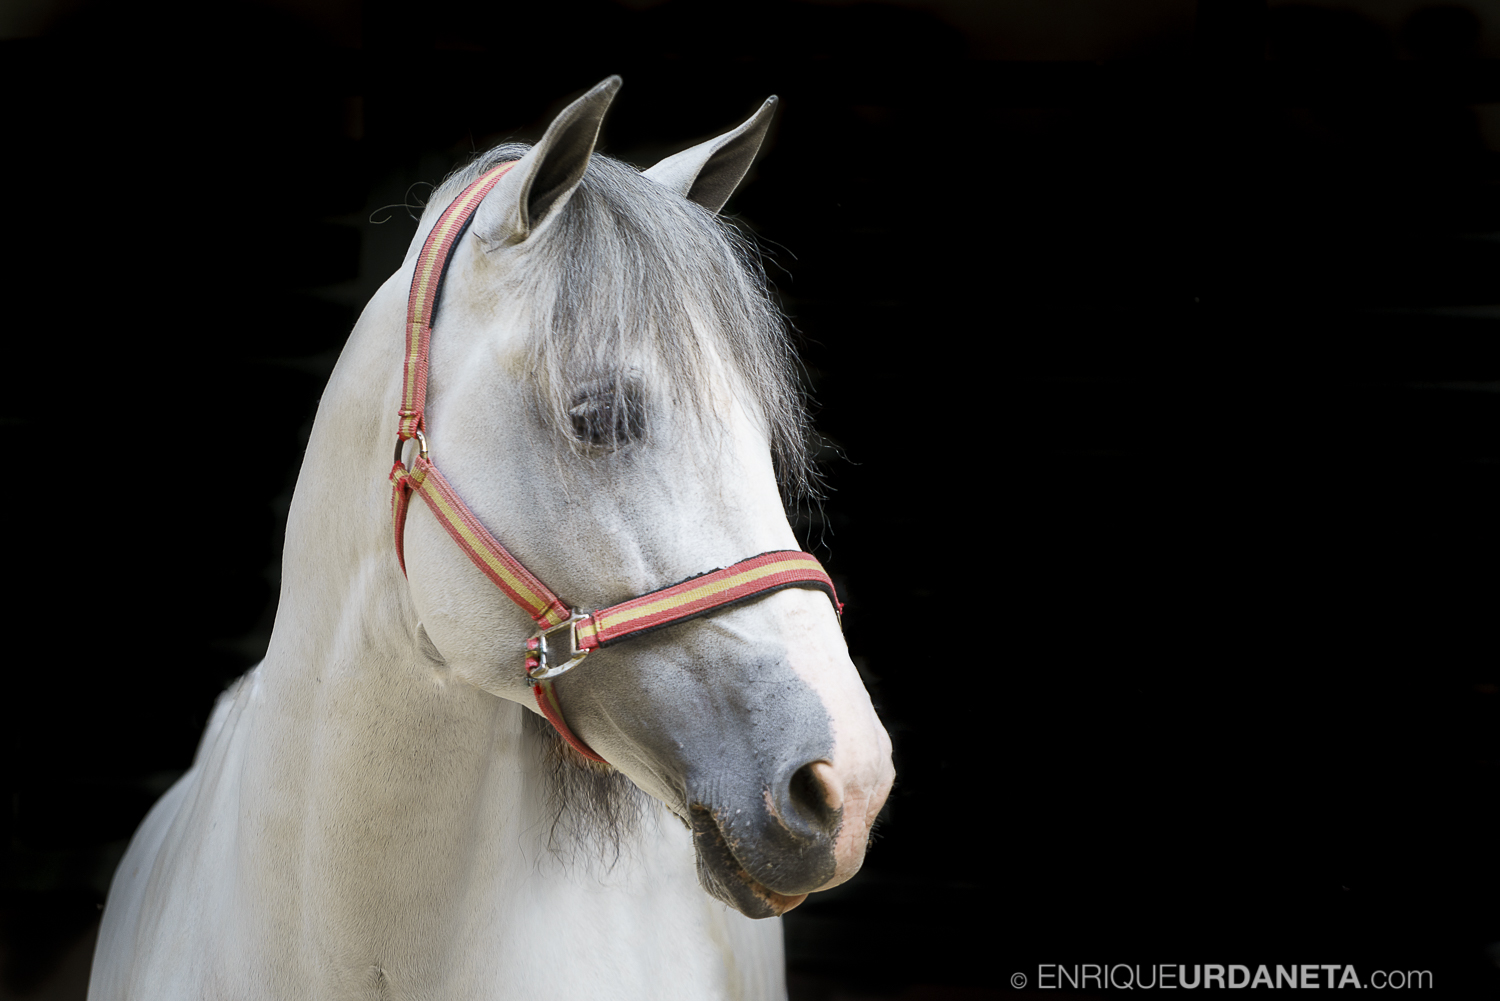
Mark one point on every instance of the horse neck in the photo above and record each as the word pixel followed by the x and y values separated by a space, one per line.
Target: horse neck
pixel 343 605
pixel 354 730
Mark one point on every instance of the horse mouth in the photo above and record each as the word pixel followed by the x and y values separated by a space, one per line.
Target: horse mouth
pixel 723 877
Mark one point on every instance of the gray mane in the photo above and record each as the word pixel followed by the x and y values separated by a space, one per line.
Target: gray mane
pixel 626 267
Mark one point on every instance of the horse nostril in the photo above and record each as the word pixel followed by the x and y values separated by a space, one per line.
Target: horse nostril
pixel 816 796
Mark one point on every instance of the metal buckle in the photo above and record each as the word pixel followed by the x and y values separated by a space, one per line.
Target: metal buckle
pixel 539 664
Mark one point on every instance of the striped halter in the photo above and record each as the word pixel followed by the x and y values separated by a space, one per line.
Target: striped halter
pixel 555 619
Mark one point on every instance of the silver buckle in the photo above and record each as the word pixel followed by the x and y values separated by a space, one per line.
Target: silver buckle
pixel 542 666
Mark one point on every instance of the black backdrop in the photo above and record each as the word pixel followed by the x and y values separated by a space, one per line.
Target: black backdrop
pixel 1160 400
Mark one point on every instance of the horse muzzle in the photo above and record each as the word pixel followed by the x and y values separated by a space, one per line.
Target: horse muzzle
pixel 762 856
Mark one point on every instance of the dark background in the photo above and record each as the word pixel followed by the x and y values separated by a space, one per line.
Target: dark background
pixel 1156 346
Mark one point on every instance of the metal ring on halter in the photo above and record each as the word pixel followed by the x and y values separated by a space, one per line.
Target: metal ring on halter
pixel 421 446
pixel 538 664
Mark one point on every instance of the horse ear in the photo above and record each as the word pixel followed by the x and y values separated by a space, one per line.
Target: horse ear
pixel 545 177
pixel 709 172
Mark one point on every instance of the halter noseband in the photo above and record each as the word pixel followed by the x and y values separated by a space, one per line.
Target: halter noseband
pixel 556 620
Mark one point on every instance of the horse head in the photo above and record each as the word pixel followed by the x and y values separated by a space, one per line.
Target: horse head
pixel 612 393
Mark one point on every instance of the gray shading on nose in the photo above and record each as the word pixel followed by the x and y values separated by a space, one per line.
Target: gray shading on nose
pixel 765 804
pixel 796 832
pixel 777 835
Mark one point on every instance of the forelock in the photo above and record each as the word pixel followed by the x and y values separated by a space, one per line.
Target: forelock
pixel 630 269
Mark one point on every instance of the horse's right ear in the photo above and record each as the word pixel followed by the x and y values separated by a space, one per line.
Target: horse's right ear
pixel 545 177
pixel 709 172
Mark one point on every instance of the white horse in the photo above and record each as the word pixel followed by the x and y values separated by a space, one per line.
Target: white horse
pixel 377 810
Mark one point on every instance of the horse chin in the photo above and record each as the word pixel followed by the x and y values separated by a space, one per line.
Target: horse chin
pixel 723 878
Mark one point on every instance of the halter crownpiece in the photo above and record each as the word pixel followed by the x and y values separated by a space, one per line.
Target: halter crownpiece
pixel 557 623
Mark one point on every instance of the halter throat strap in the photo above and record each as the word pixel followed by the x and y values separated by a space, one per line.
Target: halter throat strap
pixel 556 620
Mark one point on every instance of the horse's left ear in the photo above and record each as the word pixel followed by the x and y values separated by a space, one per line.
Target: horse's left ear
pixel 709 172
pixel 542 181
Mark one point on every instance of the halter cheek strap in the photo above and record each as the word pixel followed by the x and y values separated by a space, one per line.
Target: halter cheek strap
pixel 555 619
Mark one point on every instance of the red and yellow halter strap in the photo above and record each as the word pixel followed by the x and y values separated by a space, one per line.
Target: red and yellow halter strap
pixel 690 599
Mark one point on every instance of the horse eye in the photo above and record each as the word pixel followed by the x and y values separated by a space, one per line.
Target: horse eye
pixel 608 419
